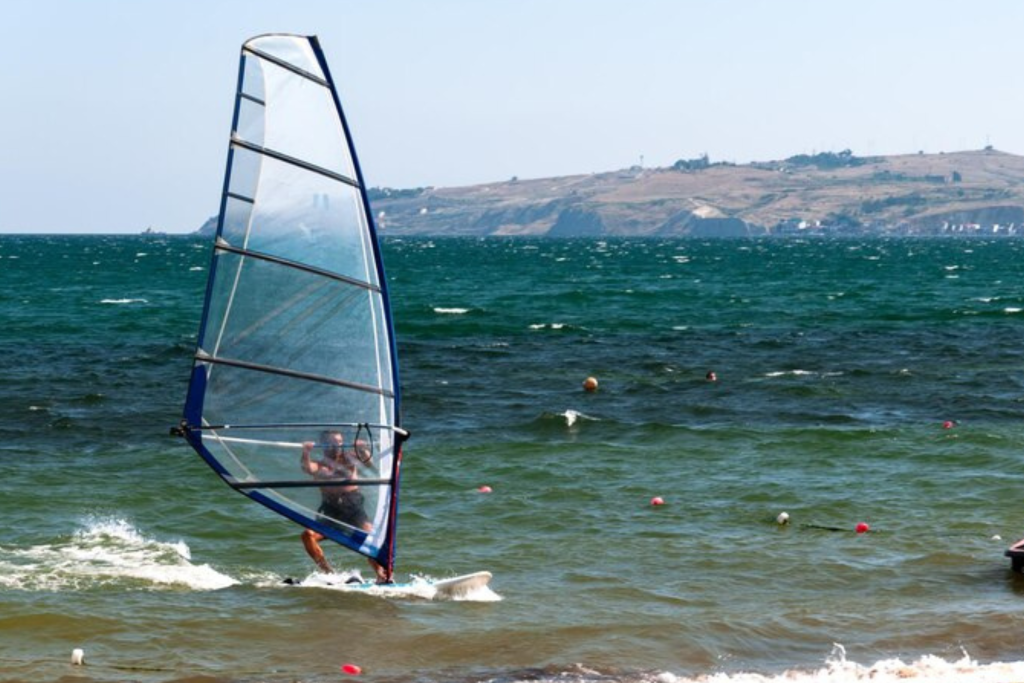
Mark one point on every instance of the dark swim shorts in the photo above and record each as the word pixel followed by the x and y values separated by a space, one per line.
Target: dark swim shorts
pixel 346 507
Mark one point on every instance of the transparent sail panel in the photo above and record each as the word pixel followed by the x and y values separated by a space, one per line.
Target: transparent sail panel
pixel 295 50
pixel 298 117
pixel 301 216
pixel 267 314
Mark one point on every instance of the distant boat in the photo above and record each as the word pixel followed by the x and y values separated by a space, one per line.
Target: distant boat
pixel 296 341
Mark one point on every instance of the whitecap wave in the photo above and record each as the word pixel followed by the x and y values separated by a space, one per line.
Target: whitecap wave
pixel 105 553
pixel 837 669
pixel 124 301
pixel 450 311
pixel 790 373
pixel 573 416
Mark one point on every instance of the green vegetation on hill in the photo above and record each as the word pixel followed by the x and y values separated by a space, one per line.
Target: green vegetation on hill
pixel 383 193
pixel 828 160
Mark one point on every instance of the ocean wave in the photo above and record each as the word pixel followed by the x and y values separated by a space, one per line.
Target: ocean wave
pixel 124 301
pixel 838 669
pixel 791 373
pixel 558 327
pixel 450 311
pixel 573 416
pixel 107 552
pixel 567 418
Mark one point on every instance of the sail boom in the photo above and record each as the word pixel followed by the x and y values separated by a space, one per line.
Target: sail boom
pixel 300 425
pixel 306 483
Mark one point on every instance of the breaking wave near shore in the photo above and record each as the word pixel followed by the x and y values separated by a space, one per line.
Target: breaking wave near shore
pixel 106 553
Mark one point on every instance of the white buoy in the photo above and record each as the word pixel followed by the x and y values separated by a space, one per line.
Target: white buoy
pixel 78 656
pixel 783 518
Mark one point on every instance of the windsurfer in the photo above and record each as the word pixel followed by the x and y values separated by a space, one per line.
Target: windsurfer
pixel 339 504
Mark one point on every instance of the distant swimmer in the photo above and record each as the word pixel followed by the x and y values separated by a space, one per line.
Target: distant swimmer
pixel 590 384
pixel 341 506
pixel 711 376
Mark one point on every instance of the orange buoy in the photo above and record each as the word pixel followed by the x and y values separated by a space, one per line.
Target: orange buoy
pixel 590 384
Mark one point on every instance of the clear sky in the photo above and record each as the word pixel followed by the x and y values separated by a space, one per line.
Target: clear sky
pixel 114 114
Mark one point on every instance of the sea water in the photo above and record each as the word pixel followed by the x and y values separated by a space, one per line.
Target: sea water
pixel 859 381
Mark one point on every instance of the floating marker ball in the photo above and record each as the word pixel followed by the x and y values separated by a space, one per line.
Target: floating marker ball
pixel 351 669
pixel 78 656
pixel 657 500
pixel 862 528
pixel 484 489
pixel 590 384
pixel 783 518
pixel 948 424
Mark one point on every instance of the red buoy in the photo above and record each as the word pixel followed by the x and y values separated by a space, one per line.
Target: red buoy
pixel 657 500
pixel 351 669
pixel 863 528
pixel 484 489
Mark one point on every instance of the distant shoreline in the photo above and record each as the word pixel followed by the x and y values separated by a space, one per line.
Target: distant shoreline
pixel 957 194
pixel 974 194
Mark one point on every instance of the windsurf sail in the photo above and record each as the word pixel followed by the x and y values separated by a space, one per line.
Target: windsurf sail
pixel 296 342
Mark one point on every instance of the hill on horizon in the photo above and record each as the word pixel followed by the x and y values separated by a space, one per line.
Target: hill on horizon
pixel 972 192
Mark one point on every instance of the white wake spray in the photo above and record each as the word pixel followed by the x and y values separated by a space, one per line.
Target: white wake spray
pixel 106 553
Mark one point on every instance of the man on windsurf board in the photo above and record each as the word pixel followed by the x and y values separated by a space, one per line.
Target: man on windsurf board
pixel 341 506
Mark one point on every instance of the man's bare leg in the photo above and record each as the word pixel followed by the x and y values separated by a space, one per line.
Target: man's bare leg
pixel 311 541
pixel 382 576
pixel 378 569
